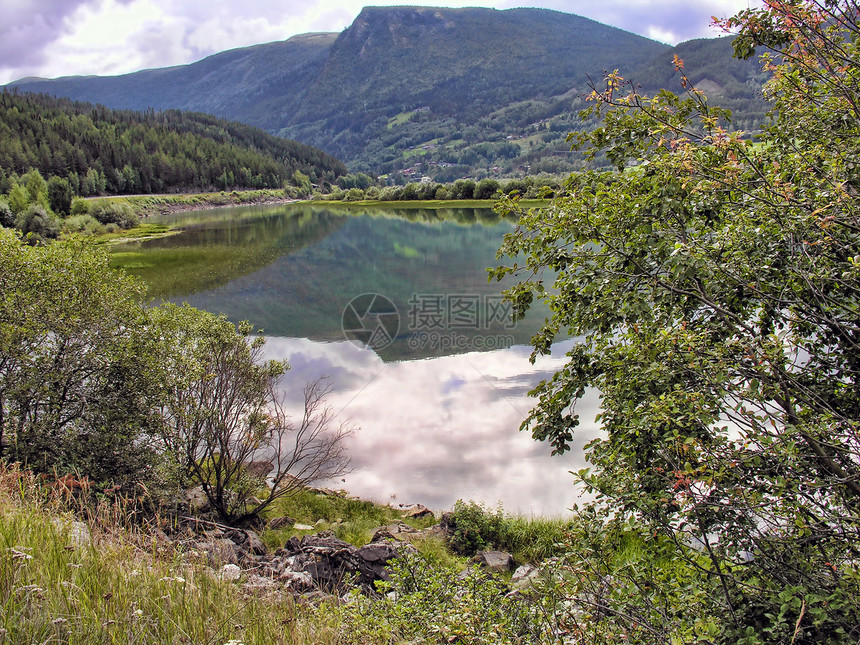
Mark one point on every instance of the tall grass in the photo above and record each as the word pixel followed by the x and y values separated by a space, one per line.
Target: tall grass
pixel 112 589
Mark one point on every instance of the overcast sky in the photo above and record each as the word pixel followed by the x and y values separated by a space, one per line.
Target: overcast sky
pixel 51 38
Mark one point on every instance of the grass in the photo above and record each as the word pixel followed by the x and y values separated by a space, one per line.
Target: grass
pixel 351 520
pixel 153 204
pixel 122 588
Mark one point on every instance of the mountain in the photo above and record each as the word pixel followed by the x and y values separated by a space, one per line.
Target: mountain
pixel 412 90
pixel 99 149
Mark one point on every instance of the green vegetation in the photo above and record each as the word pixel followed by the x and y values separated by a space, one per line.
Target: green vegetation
pixel 94 382
pixel 715 288
pixel 409 91
pixel 91 150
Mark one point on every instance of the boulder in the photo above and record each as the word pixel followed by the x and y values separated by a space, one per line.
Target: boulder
pixel 281 522
pixel 416 511
pixel 495 561
pixel 221 551
pixel 524 577
pixel 252 543
pixel 197 500
pixel 394 532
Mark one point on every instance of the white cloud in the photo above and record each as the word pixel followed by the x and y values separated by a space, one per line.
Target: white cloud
pixel 434 431
pixel 62 37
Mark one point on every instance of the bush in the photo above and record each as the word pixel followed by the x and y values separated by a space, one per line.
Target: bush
pixel 79 207
pixel 475 528
pixel 429 602
pixel 7 217
pixel 86 224
pixel 113 211
pixel 37 225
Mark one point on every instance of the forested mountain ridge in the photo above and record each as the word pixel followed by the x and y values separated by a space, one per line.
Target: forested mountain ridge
pixel 103 150
pixel 419 90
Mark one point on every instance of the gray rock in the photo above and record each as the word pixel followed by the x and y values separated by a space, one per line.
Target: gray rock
pixel 495 561
pixel 524 577
pixel 417 510
pixel 230 572
pixel 253 543
pixel 281 522
pixel 395 532
pixel 220 552
pixel 197 500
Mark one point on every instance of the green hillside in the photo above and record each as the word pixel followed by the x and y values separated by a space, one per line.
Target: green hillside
pixel 421 91
pixel 103 150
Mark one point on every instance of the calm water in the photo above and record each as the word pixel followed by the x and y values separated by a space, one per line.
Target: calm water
pixel 395 308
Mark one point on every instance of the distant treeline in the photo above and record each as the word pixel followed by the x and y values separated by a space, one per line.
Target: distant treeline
pixel 103 151
pixel 359 186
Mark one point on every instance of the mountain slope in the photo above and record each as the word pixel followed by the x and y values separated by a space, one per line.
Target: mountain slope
pixel 419 90
pixel 99 149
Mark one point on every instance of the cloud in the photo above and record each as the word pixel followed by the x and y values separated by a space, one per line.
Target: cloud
pixel 29 28
pixel 63 37
pixel 434 431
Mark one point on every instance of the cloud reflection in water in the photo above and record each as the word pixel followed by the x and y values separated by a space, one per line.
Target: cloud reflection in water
pixel 436 430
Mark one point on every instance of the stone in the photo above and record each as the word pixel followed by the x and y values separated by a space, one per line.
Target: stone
pixel 220 552
pixel 417 511
pixel 281 522
pixel 230 572
pixel 524 577
pixel 303 527
pixel 495 561
pixel 396 532
pixel 197 500
pixel 253 543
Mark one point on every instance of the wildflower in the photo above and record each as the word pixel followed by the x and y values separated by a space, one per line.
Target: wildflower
pixel 18 553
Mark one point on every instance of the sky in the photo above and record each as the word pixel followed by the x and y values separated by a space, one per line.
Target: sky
pixel 51 38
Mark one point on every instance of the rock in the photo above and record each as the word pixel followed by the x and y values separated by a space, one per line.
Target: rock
pixel 258 583
pixel 303 527
pixel 197 500
pixel 396 532
pixel 298 581
pixel 524 577
pixel 220 552
pixel 253 543
pixel 416 511
pixel 230 572
pixel 79 534
pixel 281 522
pixel 320 522
pixel 259 469
pixel 495 561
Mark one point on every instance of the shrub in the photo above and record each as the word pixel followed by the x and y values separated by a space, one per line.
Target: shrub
pixel 79 206
pixel 113 211
pixel 7 217
pixel 37 225
pixel 86 224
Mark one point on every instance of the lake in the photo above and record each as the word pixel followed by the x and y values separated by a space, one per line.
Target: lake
pixel 394 307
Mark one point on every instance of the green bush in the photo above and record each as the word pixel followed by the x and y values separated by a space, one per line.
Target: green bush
pixel 475 528
pixel 79 207
pixel 37 225
pixel 114 211
pixel 86 224
pixel 429 602
pixel 7 217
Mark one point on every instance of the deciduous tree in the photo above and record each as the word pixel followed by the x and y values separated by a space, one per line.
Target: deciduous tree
pixel 713 281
